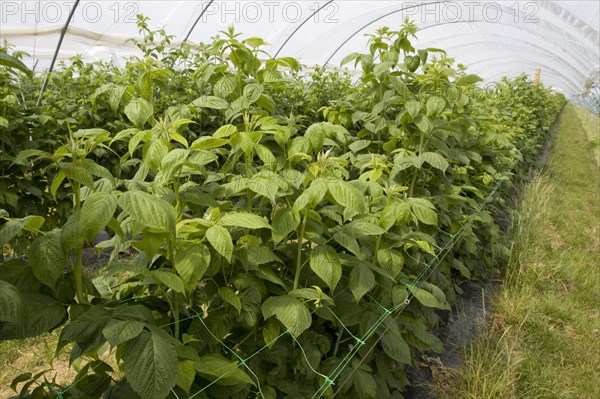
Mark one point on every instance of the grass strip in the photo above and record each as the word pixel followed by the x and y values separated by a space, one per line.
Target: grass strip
pixel 543 338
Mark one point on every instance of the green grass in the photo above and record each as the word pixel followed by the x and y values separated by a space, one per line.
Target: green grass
pixel 32 355
pixel 591 124
pixel 543 338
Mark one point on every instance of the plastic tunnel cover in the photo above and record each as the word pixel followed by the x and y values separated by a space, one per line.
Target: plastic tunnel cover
pixel 493 38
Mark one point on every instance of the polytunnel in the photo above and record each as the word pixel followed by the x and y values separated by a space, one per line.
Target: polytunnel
pixel 299 199
pixel 493 38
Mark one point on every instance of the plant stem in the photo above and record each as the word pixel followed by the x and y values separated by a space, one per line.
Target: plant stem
pixel 175 304
pixel 248 191
pixel 299 251
pixel 412 183
pixel 175 309
pixel 78 274
pixel 377 243
pixel 414 178
pixel 337 342
pixel 78 266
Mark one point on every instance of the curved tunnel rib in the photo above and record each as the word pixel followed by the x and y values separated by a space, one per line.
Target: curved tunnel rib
pixel 187 36
pixel 300 26
pixel 56 51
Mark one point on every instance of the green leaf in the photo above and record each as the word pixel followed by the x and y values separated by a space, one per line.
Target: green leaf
pixel 366 61
pixel 348 241
pixel 56 183
pixel 424 123
pixel 71 236
pixel 154 153
pixel 242 219
pixel 150 365
pixel 391 261
pixel 284 222
pixel 138 111
pixel 261 255
pixel 350 57
pixel 413 107
pixel 365 384
pixel 362 228
pixel 150 243
pixel 172 163
pixel 311 196
pixel 96 212
pixel 186 374
pixel 191 262
pixel 220 239
pixel 382 68
pixel 271 332
pixel 247 144
pixel 33 223
pixel 316 134
pixel 435 106
pixel 264 186
pixel 168 278
pixel 423 210
pixel 225 86
pixel 44 314
pixel 178 138
pixel 291 312
pixel 436 160
pixel 467 80
pixel 19 379
pixel 325 263
pixel 412 62
pixel 266 156
pixel 211 102
pixel 453 94
pixel 268 274
pixel 208 142
pixel 390 56
pixel 359 145
pixel 77 173
pixel 118 332
pixel 88 133
pixel 348 196
pixel 427 299
pixel 225 131
pixel 399 295
pixel 396 212
pixel 312 294
pixel 151 212
pixel 361 281
pixel 24 155
pixel 47 259
pixel 252 92
pixel 85 328
pixel 396 347
pixel 9 230
pixel 12 305
pixel 12 228
pixel 399 86
pixel 231 298
pixel 116 96
pixel 223 371
pixel 14 63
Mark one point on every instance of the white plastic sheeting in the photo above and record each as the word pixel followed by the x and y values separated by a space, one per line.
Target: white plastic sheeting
pixel 493 38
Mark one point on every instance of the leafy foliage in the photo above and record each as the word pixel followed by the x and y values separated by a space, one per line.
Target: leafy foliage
pixel 276 220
